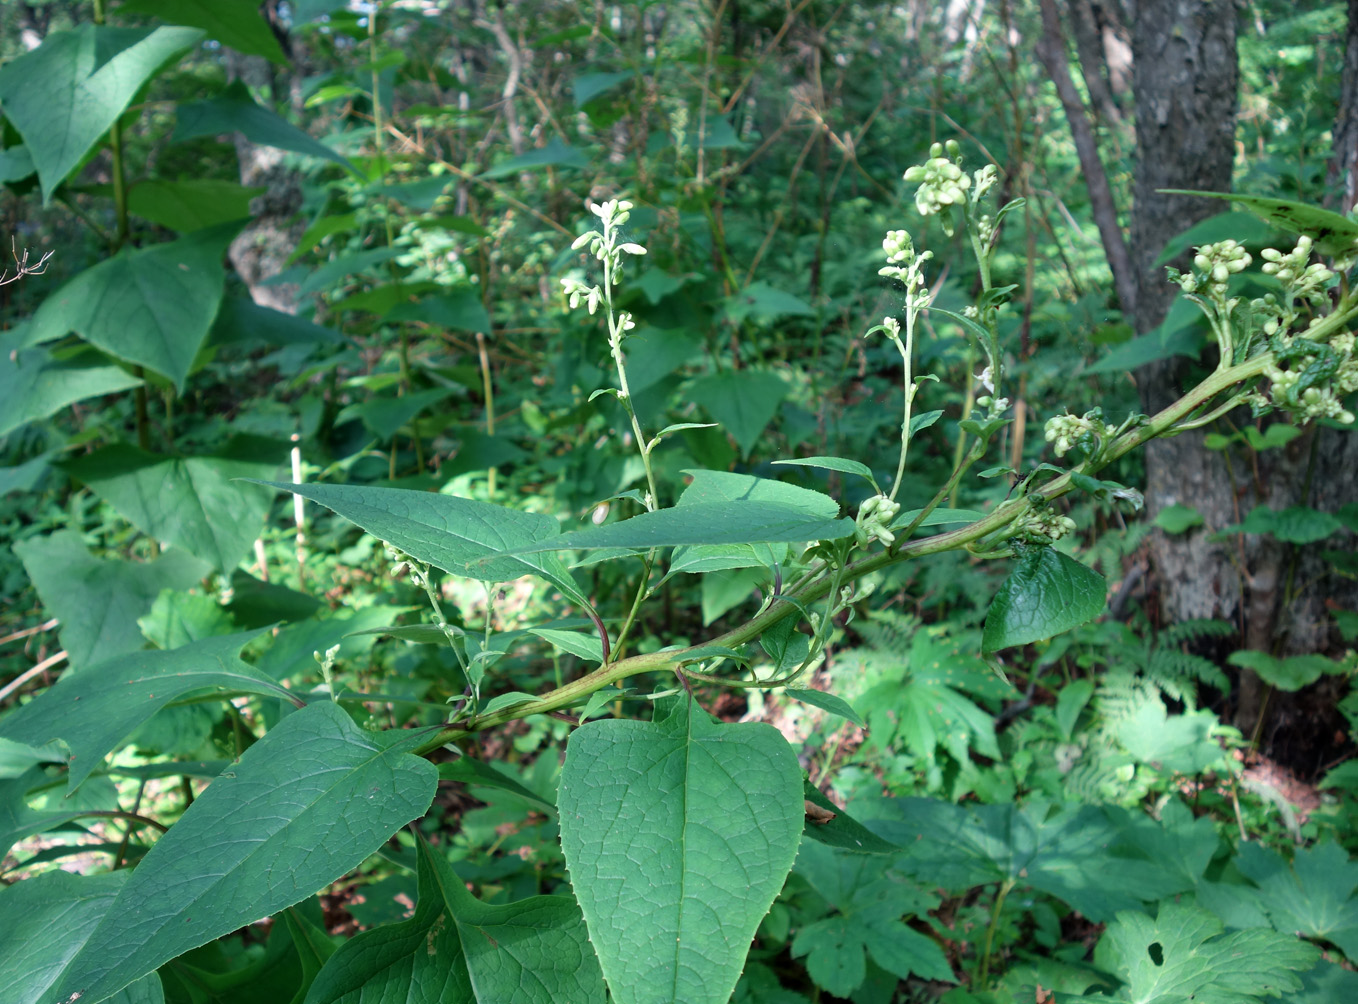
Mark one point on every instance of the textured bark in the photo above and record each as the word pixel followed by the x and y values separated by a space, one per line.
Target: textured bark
pixel 1184 77
pixel 1185 80
pixel 1051 49
pixel 1342 178
pixel 1093 58
pixel 261 250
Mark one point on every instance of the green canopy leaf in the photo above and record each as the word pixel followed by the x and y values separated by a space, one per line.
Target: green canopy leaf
pixel 1314 896
pixel 151 306
pixel 1046 593
pixel 744 522
pixel 235 23
pixel 98 600
pixel 458 950
pixel 678 834
pixel 743 401
pixel 191 203
pixel 65 94
pixel 34 384
pixel 1181 955
pixel 195 503
pixel 91 713
pixel 1062 851
pixel 870 898
pixel 554 154
pixel 45 920
pixel 458 535
pixel 235 111
pixel 301 807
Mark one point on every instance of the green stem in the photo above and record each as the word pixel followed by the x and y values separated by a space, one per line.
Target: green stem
pixel 615 337
pixel 643 590
pixel 983 977
pixel 907 354
pixel 577 691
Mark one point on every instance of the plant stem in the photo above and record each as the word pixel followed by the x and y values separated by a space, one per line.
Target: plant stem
pixel 983 976
pixel 796 600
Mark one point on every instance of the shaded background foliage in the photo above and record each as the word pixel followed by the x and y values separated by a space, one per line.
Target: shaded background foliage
pixel 398 183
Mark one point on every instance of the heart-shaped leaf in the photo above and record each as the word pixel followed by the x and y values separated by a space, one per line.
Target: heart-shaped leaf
pixel 301 807
pixel 678 834
pixel 1046 593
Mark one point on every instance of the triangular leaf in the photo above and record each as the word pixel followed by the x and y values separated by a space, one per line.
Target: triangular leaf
pixel 678 834
pixel 743 401
pixel 65 94
pixel 301 807
pixel 34 385
pixel 1046 593
pixel 196 503
pixel 458 535
pixel 98 600
pixel 92 712
pixel 744 522
pixel 235 111
pixel 458 950
pixel 151 306
pixel 234 23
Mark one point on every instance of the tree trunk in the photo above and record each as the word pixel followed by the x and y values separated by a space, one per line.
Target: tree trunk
pixel 1342 178
pixel 262 249
pixel 1185 81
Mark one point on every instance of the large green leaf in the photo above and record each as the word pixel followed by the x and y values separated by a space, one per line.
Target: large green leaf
pixel 1181 955
pixel 384 417
pixel 345 267
pixel 458 950
pixel 195 503
pixel 554 154
pixel 242 321
pixel 234 23
pixel 44 921
pixel 17 818
pixel 191 203
pixel 1334 234
pixel 921 704
pixel 1063 852
pixel 743 522
pixel 1313 897
pixel 458 535
pixel 303 806
pixel 1046 593
pixel 98 600
pixel 678 834
pixel 743 401
pixel 235 111
pixel 151 306
pixel 34 385
pixel 722 486
pixel 63 96
pixel 91 713
pixel 871 898
pixel 459 308
pixel 763 302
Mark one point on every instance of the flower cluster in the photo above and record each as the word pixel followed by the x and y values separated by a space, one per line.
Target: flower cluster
pixel 1066 432
pixel 941 182
pixel 904 264
pixel 1214 264
pixel 1045 526
pixel 606 247
pixel 1295 271
pixel 1316 378
pixel 873 517
pixel 1304 284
